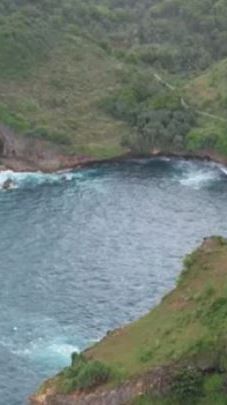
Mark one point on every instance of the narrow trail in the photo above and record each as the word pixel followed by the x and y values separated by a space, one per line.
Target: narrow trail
pixel 184 104
pixel 160 80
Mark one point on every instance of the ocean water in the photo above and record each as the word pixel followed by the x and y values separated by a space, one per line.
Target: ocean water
pixel 87 251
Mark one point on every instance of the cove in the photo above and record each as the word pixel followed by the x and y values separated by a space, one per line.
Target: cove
pixel 87 251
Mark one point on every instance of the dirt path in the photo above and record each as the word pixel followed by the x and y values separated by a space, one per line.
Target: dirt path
pixel 184 104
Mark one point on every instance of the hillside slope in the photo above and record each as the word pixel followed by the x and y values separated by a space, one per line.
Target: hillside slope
pixel 81 74
pixel 177 352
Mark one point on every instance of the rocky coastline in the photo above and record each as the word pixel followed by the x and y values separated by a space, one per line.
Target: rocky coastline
pixel 21 154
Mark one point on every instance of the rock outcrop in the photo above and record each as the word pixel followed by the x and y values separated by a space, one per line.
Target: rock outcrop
pixel 157 381
pixel 21 153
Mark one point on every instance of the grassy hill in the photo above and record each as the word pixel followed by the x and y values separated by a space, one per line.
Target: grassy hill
pixel 60 101
pixel 207 95
pixel 186 331
pixel 81 74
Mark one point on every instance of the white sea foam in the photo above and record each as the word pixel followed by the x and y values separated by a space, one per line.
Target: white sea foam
pixel 197 175
pixel 24 179
pixel 223 169
pixel 190 174
pixel 62 349
pixel 40 340
pixel 198 178
pixel 56 351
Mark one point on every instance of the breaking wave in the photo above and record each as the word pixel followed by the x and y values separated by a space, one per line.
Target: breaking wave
pixel 192 174
pixel 20 179
pixel 32 179
pixel 57 351
pixel 41 340
pixel 197 175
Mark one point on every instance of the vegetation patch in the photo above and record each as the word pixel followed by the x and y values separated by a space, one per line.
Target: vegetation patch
pixel 82 375
pixel 187 385
pixel 106 77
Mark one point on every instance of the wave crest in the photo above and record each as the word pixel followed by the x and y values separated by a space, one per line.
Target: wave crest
pixel 31 179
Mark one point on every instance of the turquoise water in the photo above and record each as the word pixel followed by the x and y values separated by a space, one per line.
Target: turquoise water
pixel 85 252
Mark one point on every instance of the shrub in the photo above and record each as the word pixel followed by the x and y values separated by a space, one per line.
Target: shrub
pixel 83 374
pixel 188 385
pixel 92 374
pixel 146 356
pixel 210 137
pixel 220 240
pixel 213 383
pixel 189 261
pixel 77 359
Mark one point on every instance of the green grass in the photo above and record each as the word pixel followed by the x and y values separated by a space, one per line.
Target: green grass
pixel 83 375
pixel 53 76
pixel 211 391
pixel 80 74
pixel 208 91
pixel 184 319
pixel 60 102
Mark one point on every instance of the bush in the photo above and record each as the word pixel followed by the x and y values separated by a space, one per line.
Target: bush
pixel 214 383
pixel 146 356
pixel 92 374
pixel 83 374
pixel 77 359
pixel 210 137
pixel 155 111
pixel 188 385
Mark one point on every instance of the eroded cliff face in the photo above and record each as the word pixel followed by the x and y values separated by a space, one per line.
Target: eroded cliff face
pixel 157 381
pixel 20 153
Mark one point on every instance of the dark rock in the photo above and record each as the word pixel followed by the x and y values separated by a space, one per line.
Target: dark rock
pixel 8 184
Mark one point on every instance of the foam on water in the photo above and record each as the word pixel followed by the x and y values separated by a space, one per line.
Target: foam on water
pixel 197 176
pixel 57 351
pixel 20 179
pixel 29 180
pixel 188 173
pixel 41 340
pixel 224 170
pixel 32 179
pixel 197 180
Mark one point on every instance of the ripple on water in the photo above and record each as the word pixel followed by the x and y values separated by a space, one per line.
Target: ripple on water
pixel 84 252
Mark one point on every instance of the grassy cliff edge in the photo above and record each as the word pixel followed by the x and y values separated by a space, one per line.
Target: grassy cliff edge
pixel 177 353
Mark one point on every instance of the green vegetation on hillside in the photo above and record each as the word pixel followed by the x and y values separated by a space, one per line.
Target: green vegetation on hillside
pixel 187 330
pixel 191 387
pixel 82 74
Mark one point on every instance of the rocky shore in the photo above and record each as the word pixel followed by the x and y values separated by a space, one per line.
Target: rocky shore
pixel 20 154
